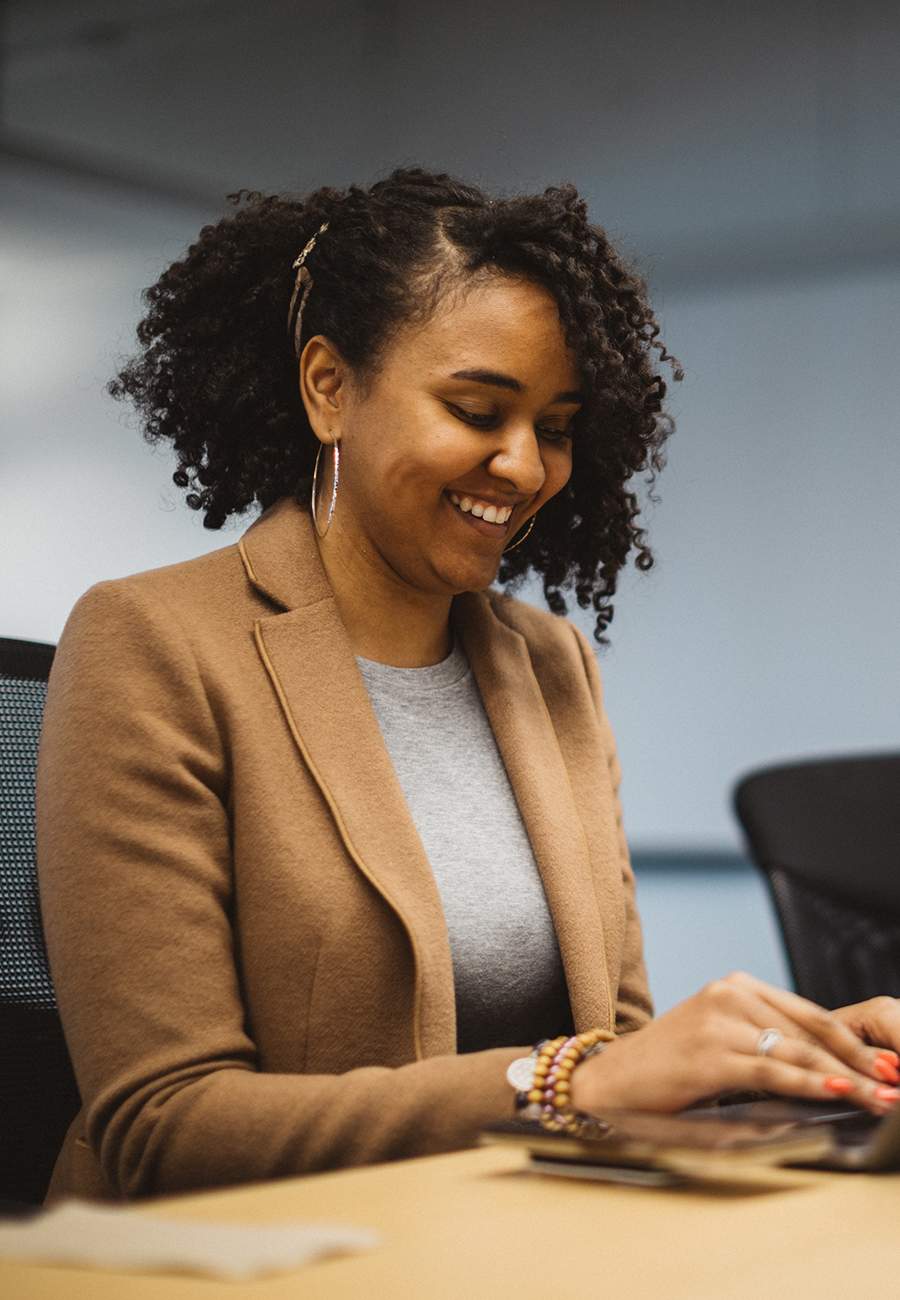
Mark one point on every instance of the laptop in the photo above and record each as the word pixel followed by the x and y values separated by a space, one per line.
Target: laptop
pixel 647 1148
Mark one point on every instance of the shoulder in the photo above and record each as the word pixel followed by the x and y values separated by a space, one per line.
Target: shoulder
pixel 273 567
pixel 183 582
pixel 184 598
pixel 169 624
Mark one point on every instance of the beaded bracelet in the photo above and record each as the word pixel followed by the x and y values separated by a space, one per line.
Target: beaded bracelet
pixel 547 1096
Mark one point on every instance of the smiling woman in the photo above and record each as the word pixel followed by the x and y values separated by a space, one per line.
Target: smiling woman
pixel 328 826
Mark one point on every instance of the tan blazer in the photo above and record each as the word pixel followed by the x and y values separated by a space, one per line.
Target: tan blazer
pixel 246 938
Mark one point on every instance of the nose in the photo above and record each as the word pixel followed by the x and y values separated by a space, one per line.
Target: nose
pixel 518 460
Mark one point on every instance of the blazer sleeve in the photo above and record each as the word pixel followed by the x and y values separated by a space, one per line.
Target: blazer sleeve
pixel 137 892
pixel 634 1006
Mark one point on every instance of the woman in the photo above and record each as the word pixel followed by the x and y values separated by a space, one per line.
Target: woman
pixel 328 832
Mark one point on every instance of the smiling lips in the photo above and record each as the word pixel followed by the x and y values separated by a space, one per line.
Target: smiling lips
pixel 482 510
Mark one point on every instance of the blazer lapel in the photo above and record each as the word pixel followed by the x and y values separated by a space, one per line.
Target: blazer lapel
pixel 527 741
pixel 308 656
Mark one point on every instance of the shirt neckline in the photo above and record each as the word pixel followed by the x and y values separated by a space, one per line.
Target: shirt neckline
pixel 433 677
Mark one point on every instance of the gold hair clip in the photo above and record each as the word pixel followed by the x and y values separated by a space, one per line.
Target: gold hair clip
pixel 310 246
pixel 304 281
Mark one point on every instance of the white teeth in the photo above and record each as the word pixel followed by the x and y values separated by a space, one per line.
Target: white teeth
pixel 493 514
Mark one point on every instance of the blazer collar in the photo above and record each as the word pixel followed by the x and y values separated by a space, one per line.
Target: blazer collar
pixel 310 661
pixel 281 557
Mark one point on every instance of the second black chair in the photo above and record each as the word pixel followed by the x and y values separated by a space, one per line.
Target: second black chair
pixel 826 834
pixel 38 1094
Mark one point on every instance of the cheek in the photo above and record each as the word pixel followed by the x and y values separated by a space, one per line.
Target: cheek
pixel 397 444
pixel 558 468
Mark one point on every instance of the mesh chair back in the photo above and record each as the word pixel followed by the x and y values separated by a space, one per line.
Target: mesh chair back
pixel 827 836
pixel 38 1094
pixel 839 953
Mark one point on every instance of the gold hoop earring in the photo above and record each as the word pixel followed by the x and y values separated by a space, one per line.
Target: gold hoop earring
pixel 522 538
pixel 337 463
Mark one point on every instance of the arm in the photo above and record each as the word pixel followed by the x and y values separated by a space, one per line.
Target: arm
pixel 139 897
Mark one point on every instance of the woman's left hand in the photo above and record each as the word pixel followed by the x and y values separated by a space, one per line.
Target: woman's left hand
pixel 715 1043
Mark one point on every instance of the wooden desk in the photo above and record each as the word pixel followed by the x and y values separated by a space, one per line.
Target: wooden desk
pixel 476 1225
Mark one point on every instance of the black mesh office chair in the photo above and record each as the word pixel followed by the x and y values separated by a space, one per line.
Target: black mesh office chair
pixel 38 1094
pixel 827 836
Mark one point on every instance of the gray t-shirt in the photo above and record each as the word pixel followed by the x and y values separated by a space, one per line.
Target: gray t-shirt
pixel 510 984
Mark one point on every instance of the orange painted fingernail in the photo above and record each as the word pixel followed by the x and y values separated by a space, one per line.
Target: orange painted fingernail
pixel 887 1055
pixel 887 1094
pixel 843 1086
pixel 885 1070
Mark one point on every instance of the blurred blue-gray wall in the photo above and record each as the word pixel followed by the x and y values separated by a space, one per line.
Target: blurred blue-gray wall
pixel 746 154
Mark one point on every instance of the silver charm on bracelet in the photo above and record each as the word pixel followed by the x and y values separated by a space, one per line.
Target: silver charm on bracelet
pixel 521 1073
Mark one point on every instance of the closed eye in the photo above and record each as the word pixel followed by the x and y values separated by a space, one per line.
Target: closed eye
pixel 479 420
pixel 553 434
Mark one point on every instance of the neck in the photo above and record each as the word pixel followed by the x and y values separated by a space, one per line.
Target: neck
pixel 386 620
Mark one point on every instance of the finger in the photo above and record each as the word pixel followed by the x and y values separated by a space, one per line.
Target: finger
pixel 823 1027
pixel 840 1083
pixel 784 1077
pixel 876 1021
pixel 796 1017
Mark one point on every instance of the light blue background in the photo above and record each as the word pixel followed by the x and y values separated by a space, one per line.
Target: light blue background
pixel 750 154
pixel 702 922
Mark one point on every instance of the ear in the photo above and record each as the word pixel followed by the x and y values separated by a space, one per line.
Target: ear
pixel 323 387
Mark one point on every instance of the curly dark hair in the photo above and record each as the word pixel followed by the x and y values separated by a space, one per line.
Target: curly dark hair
pixel 218 375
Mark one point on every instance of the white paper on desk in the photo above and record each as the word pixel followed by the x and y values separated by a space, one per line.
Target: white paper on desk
pixel 100 1236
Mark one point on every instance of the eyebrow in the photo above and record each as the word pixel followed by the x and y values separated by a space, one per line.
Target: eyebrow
pixel 496 380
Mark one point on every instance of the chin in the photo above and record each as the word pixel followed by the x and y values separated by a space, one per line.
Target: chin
pixel 471 578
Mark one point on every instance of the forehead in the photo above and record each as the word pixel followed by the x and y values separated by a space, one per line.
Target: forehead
pixel 498 323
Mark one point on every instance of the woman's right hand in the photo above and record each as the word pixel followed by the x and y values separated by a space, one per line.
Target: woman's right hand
pixel 708 1045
